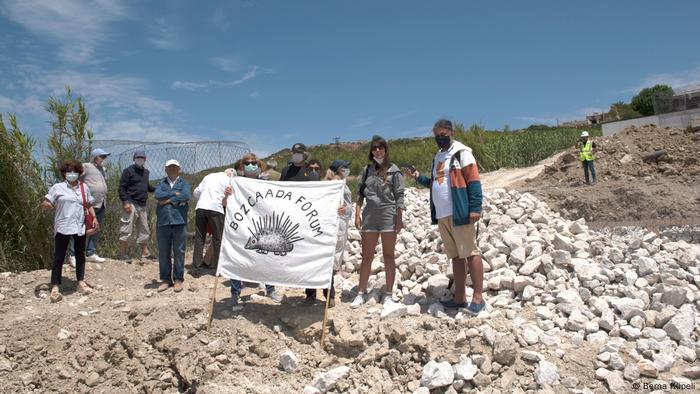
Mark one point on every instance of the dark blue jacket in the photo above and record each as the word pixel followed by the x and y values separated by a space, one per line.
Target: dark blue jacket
pixel 174 213
pixel 134 186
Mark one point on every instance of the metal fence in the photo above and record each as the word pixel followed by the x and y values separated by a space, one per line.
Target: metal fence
pixel 683 101
pixel 193 156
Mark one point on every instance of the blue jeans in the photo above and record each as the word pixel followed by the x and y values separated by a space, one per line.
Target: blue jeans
pixel 171 252
pixel 589 166
pixel 92 241
pixel 236 288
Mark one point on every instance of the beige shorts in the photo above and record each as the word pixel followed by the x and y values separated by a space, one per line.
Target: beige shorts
pixel 139 218
pixel 459 241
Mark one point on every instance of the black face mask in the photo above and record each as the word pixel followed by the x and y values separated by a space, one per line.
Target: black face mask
pixel 443 141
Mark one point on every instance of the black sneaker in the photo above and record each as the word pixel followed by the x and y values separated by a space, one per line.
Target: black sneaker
pixel 125 259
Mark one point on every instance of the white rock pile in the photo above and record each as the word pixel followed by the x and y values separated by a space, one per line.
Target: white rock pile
pixel 632 297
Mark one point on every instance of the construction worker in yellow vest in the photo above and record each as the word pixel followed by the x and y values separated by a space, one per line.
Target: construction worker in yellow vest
pixel 585 150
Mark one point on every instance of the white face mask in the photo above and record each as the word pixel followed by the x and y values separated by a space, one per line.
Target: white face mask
pixel 72 176
pixel 140 162
pixel 378 160
pixel 345 172
pixel 297 158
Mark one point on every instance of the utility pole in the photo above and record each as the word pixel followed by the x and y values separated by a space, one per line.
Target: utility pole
pixel 337 142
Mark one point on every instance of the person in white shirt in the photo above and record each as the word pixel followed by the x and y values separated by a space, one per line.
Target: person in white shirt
pixel 72 200
pixel 211 200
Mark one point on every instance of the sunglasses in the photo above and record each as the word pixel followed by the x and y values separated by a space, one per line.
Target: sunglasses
pixel 377 147
pixel 247 163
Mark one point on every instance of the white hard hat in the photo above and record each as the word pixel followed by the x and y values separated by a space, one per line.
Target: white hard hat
pixel 584 134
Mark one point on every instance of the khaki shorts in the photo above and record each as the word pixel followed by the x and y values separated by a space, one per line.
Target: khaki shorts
pixel 459 241
pixel 138 217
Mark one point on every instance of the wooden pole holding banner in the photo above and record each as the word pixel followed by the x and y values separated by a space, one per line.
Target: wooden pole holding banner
pixel 325 317
pixel 213 301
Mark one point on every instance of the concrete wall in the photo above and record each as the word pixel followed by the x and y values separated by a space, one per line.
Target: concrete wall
pixel 680 120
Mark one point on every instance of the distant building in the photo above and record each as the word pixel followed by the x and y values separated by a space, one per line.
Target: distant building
pixel 595 118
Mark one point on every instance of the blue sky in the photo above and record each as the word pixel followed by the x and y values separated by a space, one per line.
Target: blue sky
pixel 271 73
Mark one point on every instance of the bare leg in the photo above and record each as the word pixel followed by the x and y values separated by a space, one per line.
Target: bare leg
pixel 460 277
pixel 388 245
pixel 144 249
pixel 476 271
pixel 369 243
pixel 122 248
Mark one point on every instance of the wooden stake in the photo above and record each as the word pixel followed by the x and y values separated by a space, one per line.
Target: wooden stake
pixel 325 317
pixel 213 301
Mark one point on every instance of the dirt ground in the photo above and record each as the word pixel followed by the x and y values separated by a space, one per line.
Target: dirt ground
pixel 127 337
pixel 628 187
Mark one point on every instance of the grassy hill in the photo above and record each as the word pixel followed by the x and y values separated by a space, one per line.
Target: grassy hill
pixel 492 149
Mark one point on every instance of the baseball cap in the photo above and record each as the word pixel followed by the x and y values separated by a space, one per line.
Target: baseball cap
pixel 172 162
pixel 139 153
pixel 339 163
pixel 298 148
pixel 99 152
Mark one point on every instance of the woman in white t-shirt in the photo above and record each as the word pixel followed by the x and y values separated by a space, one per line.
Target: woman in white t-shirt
pixel 69 198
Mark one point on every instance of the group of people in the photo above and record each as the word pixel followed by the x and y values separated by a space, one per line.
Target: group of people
pixel 455 205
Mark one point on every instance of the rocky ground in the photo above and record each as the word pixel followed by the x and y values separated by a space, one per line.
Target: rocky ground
pixel 629 187
pixel 570 310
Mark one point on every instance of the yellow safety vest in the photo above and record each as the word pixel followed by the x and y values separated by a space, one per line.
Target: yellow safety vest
pixel 586 151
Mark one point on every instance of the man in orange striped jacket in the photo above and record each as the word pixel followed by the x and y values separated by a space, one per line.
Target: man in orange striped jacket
pixel 455 206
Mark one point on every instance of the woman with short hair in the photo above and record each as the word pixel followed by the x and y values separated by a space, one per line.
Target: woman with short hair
pixel 382 188
pixel 72 201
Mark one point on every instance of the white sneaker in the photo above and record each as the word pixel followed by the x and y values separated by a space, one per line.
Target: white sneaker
pixel 358 301
pixel 71 261
pixel 94 258
pixel 388 298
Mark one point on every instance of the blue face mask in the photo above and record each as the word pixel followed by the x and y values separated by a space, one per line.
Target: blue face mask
pixel 251 168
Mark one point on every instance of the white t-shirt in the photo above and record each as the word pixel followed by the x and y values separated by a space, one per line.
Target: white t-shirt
pixel 441 192
pixel 210 192
pixel 70 213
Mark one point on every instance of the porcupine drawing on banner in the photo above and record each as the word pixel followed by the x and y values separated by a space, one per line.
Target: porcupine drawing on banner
pixel 274 234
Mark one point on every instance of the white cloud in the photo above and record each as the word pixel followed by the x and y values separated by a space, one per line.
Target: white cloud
pixel 118 94
pixel 77 27
pixel 679 81
pixel 165 35
pixel 120 107
pixel 187 85
pixel 192 85
pixel 139 130
pixel 255 94
pixel 29 105
pixel 227 63
pixel 579 114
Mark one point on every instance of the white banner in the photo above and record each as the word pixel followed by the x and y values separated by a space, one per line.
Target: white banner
pixel 281 233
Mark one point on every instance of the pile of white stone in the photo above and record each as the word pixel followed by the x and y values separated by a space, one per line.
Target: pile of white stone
pixel 633 295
